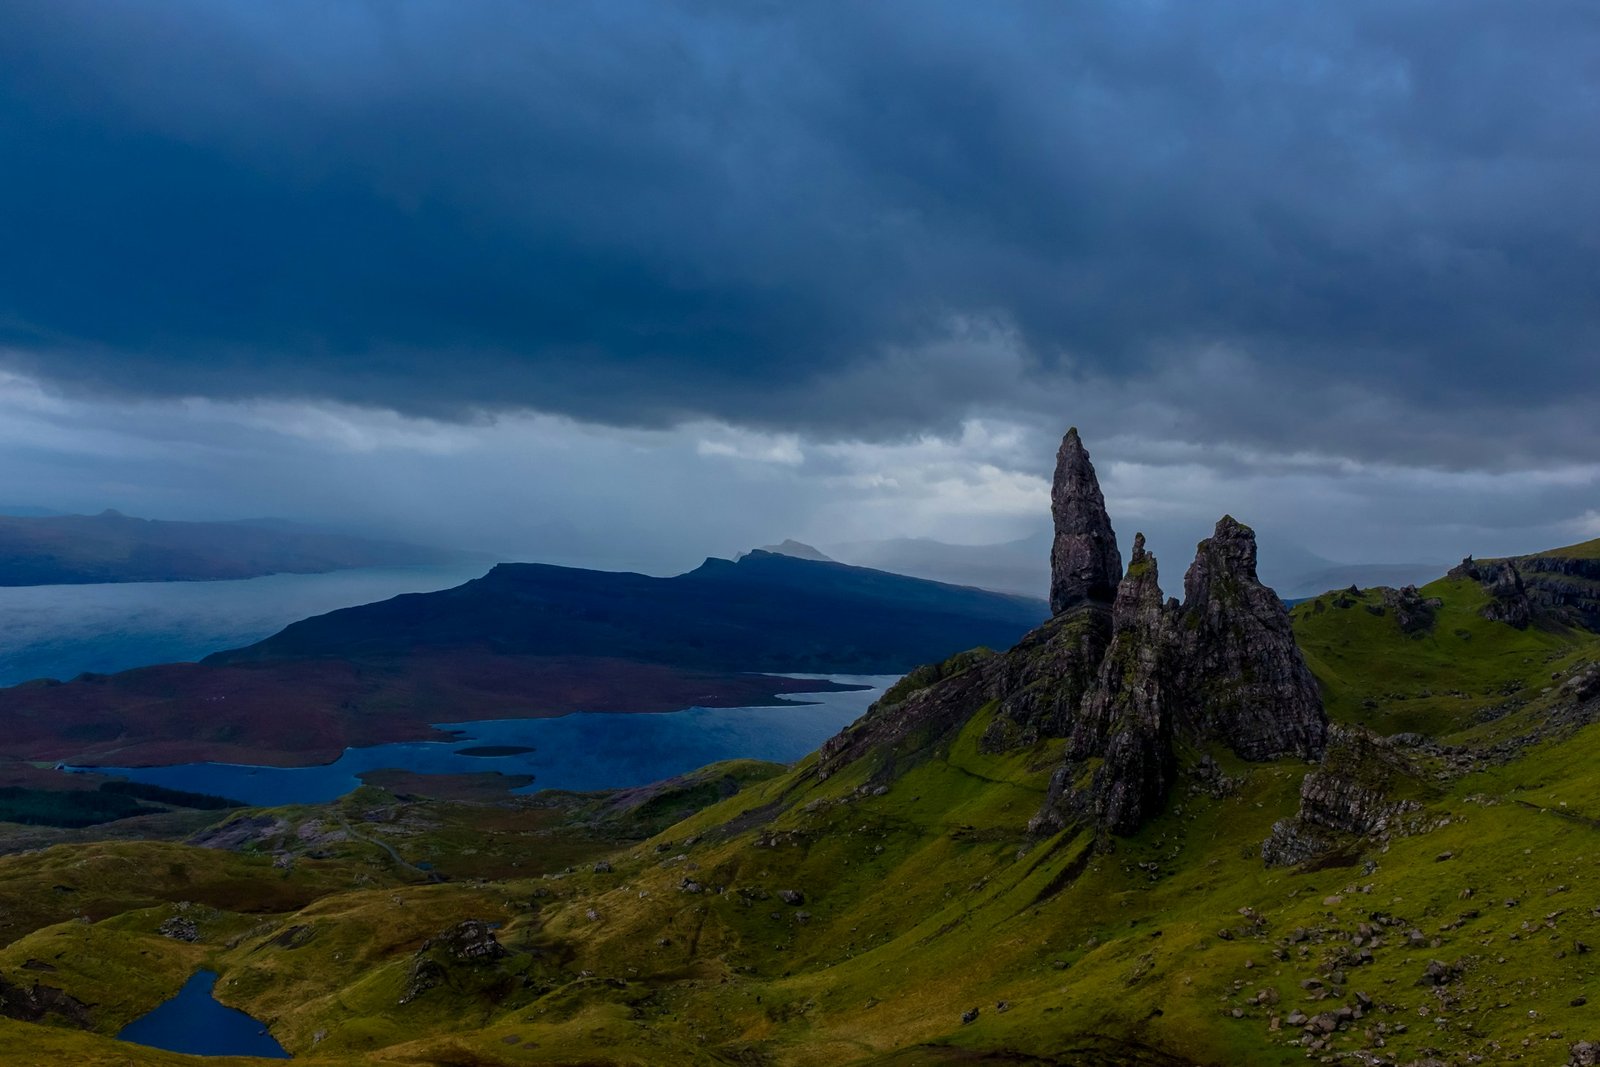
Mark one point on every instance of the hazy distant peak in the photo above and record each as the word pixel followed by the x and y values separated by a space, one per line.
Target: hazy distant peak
pixel 797 549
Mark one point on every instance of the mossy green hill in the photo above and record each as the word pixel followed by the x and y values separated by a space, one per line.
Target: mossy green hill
pixel 898 911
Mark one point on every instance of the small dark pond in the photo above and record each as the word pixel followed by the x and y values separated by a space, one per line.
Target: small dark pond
pixel 196 1023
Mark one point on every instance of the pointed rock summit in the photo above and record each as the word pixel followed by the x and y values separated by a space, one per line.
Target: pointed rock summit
pixel 1085 565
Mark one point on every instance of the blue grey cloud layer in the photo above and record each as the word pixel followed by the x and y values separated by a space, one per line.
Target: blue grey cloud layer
pixel 638 213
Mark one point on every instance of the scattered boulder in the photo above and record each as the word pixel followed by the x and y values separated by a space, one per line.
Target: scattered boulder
pixel 1438 973
pixel 792 896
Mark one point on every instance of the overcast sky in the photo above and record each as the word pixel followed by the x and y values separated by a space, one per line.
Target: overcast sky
pixel 651 281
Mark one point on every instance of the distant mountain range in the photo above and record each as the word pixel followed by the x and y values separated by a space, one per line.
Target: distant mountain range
pixel 1023 566
pixel 798 550
pixel 525 640
pixel 113 547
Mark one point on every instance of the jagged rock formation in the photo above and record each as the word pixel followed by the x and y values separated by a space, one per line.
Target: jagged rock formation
pixel 1120 684
pixel 1085 565
pixel 1120 760
pixel 1359 790
pixel 1242 676
pixel 1561 586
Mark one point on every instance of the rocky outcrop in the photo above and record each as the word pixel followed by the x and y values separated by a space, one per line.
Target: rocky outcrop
pixel 1414 612
pixel 1242 677
pixel 1120 761
pixel 1561 587
pixel 1117 673
pixel 1510 604
pixel 1566 586
pixel 470 941
pixel 37 1002
pixel 1364 784
pixel 1047 678
pixel 1085 565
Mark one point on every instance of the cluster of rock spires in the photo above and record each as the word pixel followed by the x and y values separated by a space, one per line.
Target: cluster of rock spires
pixel 1120 673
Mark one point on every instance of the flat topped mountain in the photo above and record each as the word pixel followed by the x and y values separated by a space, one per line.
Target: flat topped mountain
pixel 764 612
pixel 113 547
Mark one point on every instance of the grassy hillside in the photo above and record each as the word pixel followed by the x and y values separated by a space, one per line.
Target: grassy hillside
pixel 1461 671
pixel 783 920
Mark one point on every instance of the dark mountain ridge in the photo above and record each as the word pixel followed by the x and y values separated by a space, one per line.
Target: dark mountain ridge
pixel 765 612
pixel 525 640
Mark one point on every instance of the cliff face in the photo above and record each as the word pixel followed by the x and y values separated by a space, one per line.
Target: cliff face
pixel 1118 673
pixel 1561 586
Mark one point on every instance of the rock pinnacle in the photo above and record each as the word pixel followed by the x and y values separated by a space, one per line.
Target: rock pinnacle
pixel 1085 565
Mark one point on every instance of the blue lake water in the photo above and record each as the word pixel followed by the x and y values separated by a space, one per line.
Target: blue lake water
pixel 581 751
pixel 196 1023
pixel 60 631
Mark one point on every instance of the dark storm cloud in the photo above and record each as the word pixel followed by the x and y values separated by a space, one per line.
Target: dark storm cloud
pixel 640 213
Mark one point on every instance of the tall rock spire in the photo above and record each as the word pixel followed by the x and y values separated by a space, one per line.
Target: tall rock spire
pixel 1085 565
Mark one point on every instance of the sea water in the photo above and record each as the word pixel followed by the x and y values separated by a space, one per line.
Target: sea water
pixel 581 751
pixel 61 631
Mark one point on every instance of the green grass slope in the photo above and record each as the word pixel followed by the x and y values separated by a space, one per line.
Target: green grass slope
pixel 783 920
